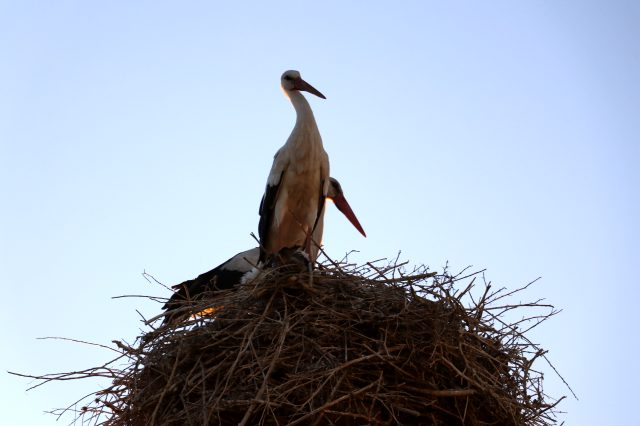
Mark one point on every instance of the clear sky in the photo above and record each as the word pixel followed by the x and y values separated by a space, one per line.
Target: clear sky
pixel 138 136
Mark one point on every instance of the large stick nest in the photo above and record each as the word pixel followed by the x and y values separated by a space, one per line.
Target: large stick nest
pixel 345 345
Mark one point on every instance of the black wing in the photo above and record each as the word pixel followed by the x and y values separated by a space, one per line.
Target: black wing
pixel 267 207
pixel 321 202
pixel 222 277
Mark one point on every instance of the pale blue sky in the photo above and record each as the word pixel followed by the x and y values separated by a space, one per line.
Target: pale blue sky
pixel 498 134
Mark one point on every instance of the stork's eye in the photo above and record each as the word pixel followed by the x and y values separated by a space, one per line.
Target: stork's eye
pixel 287 77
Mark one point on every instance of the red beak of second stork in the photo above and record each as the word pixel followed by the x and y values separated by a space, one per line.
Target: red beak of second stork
pixel 336 194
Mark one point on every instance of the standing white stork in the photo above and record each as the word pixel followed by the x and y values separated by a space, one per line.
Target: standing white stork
pixel 292 208
pixel 230 273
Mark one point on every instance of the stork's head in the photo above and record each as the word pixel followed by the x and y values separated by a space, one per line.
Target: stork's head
pixel 336 195
pixel 291 81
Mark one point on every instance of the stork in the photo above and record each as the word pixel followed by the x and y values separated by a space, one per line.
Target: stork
pixel 292 207
pixel 230 273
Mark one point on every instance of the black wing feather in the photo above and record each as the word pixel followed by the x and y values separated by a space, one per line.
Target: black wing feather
pixel 321 203
pixel 190 291
pixel 267 207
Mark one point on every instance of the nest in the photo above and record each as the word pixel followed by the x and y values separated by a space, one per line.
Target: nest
pixel 344 345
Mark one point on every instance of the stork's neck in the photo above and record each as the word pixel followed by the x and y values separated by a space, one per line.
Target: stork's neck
pixel 304 114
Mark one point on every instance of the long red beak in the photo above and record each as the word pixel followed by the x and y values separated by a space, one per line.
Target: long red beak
pixel 300 84
pixel 345 208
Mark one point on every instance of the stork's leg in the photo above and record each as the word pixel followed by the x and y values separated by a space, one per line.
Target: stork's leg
pixel 307 248
pixel 307 244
